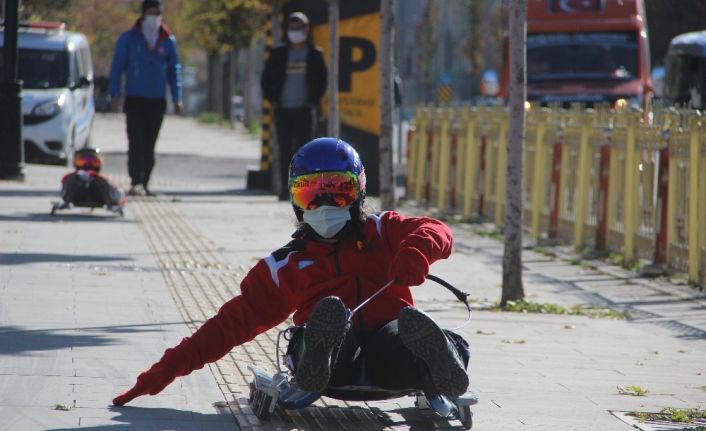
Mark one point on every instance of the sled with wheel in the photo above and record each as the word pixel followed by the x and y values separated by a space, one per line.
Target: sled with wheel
pixel 270 391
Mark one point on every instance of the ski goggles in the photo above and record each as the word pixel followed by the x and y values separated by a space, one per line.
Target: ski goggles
pixel 339 189
pixel 87 161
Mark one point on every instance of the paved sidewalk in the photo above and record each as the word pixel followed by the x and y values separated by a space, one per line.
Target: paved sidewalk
pixel 88 300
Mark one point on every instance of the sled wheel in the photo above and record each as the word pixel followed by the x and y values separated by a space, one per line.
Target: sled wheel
pixel 467 421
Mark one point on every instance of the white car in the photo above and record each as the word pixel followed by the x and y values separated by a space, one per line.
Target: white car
pixel 57 91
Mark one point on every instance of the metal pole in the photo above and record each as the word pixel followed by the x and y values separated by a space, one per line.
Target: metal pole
pixel 11 148
pixel 333 118
pixel 387 174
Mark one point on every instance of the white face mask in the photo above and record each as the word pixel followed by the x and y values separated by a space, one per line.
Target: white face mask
pixel 152 22
pixel 296 36
pixel 327 221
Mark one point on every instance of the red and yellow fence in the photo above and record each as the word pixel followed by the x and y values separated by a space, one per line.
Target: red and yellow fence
pixel 592 178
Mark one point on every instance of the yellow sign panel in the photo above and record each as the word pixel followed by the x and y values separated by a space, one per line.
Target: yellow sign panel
pixel 359 70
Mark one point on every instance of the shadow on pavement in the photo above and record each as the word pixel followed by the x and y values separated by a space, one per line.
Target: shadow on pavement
pixel 17 340
pixel 74 214
pixel 684 331
pixel 33 193
pixel 141 418
pixel 26 258
pixel 14 340
pixel 415 419
pixel 638 315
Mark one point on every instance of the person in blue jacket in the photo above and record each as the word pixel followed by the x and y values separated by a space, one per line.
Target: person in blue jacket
pixel 147 56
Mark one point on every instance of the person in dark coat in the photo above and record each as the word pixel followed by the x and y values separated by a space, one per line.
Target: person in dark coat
pixel 294 81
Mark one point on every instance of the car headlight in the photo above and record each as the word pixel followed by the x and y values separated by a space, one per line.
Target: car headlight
pixel 634 102
pixel 49 108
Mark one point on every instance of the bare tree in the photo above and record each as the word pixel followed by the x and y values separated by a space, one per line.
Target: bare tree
pixel 387 23
pixel 333 118
pixel 512 257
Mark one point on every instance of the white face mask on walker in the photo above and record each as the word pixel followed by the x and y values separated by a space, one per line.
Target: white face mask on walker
pixel 326 220
pixel 152 22
pixel 296 36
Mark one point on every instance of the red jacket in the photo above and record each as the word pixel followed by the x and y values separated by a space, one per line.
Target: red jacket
pixel 294 278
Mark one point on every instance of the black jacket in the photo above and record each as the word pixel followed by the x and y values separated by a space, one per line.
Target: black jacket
pixel 272 79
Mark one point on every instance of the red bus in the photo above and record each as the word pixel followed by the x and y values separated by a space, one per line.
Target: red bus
pixel 587 51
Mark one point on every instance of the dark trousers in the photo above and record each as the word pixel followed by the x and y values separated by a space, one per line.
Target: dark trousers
pixel 295 127
pixel 378 358
pixel 144 119
pixel 86 190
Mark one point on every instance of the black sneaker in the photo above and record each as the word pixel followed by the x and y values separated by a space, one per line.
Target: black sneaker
pixel 427 341
pixel 323 333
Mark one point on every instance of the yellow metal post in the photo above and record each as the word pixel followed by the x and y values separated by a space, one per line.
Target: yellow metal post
pixel 460 118
pixel 470 162
pixel 538 176
pixel 436 144
pixel 444 159
pixel 421 151
pixel 501 171
pixel 694 156
pixel 582 194
pixel 412 154
pixel 629 192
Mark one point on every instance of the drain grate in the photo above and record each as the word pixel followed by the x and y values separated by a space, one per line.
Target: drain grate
pixel 649 421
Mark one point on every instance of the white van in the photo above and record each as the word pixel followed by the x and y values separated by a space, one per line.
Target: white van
pixel 57 91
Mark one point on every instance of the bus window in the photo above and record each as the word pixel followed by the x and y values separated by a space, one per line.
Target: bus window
pixel 581 56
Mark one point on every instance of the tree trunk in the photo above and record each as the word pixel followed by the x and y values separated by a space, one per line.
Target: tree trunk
pixel 387 175
pixel 227 84
pixel 334 126
pixel 251 85
pixel 426 40
pixel 512 257
pixel 213 66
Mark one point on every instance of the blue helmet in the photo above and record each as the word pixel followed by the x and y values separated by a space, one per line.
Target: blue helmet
pixel 324 155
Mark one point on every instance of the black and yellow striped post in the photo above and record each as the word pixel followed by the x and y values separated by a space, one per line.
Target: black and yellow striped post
pixel 267 114
pixel 444 93
pixel 262 178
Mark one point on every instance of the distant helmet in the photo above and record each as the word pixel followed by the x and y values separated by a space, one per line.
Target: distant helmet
pixel 88 159
pixel 327 171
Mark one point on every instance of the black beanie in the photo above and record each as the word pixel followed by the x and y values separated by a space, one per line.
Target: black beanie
pixel 147 4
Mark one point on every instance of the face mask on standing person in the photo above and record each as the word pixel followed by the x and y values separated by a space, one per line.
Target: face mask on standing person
pixel 152 22
pixel 296 36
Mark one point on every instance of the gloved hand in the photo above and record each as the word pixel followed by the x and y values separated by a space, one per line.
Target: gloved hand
pixel 150 382
pixel 175 362
pixel 409 267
